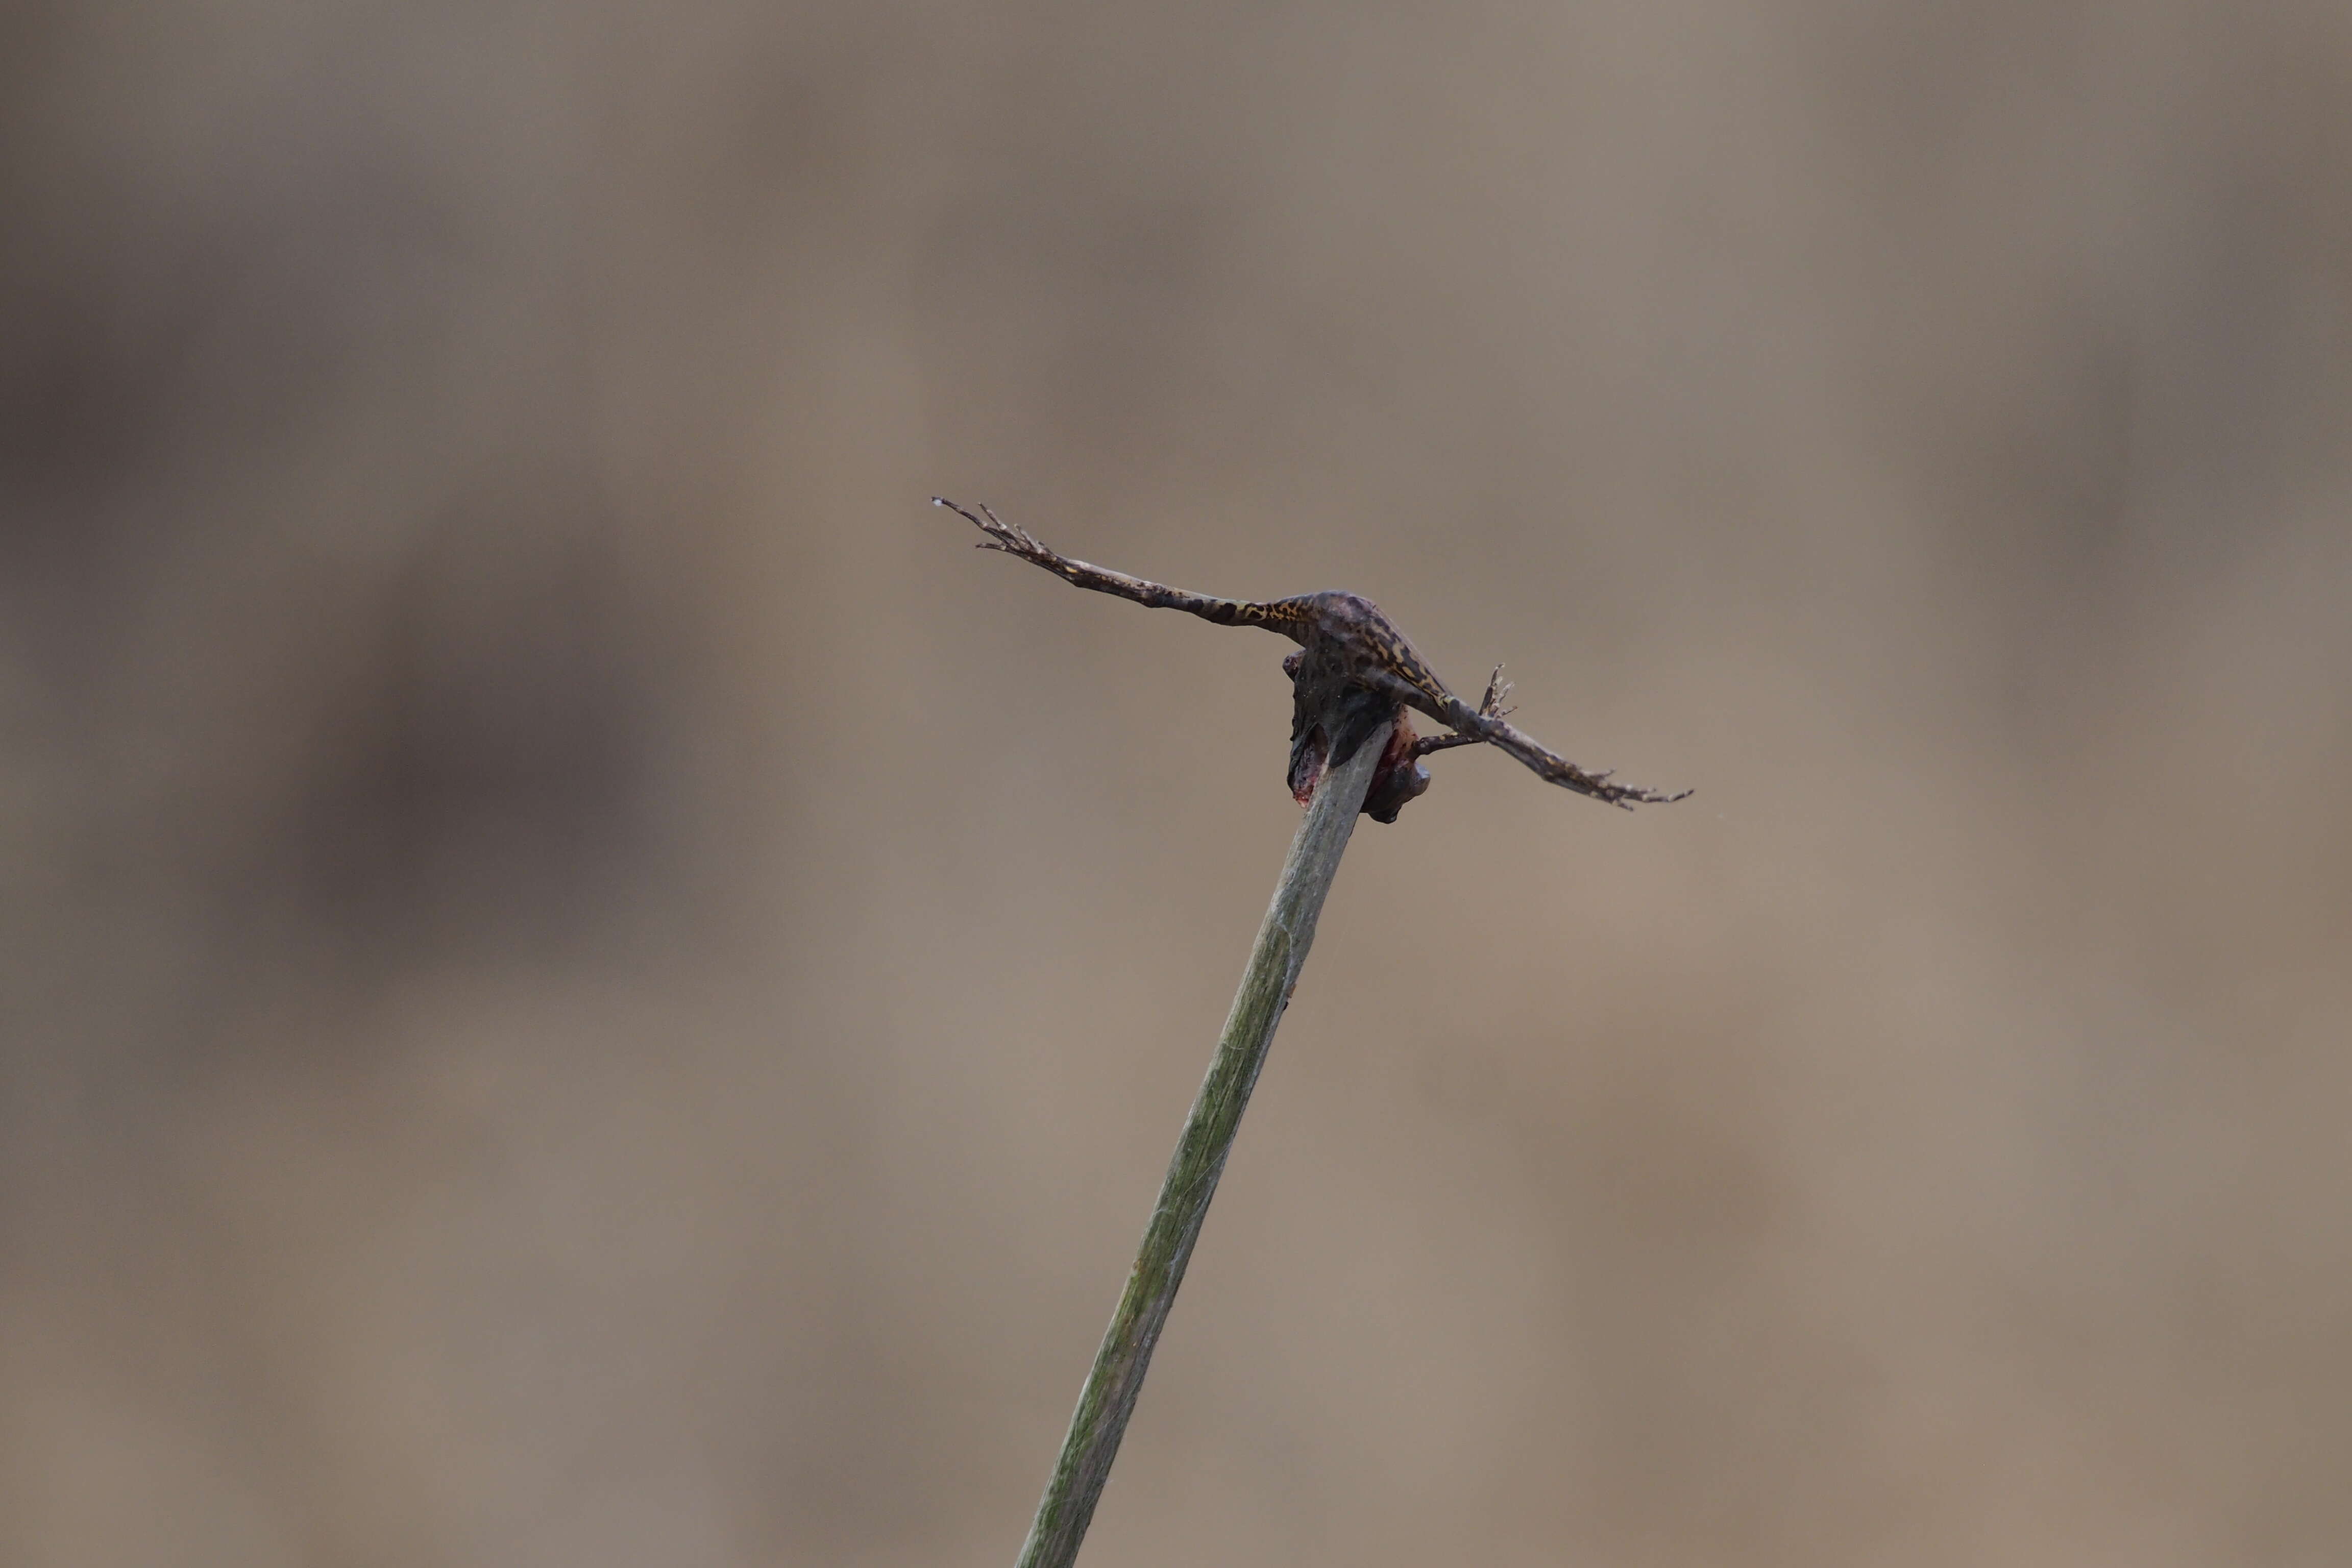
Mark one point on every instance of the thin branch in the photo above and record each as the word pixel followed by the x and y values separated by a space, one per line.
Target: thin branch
pixel 1348 645
pixel 1278 615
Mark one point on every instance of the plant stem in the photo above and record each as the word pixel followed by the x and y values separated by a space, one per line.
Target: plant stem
pixel 1108 1397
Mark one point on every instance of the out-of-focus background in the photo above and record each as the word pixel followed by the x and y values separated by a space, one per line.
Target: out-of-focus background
pixel 585 983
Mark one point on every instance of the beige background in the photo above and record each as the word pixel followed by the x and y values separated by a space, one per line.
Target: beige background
pixel 585 984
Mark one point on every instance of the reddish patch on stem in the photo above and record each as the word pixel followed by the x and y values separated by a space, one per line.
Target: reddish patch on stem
pixel 1397 778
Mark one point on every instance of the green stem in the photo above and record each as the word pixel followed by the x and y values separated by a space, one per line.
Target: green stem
pixel 1283 939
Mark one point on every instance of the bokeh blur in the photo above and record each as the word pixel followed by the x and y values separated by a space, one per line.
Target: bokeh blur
pixel 585 983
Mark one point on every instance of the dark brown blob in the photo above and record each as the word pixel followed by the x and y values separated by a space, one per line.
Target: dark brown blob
pixel 1320 705
pixel 1400 778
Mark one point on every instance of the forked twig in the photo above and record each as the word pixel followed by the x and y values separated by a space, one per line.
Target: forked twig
pixel 1347 646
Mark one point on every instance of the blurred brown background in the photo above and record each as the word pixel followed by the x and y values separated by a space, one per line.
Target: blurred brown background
pixel 585 983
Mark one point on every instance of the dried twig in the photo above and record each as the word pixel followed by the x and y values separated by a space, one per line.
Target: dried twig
pixel 1352 657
